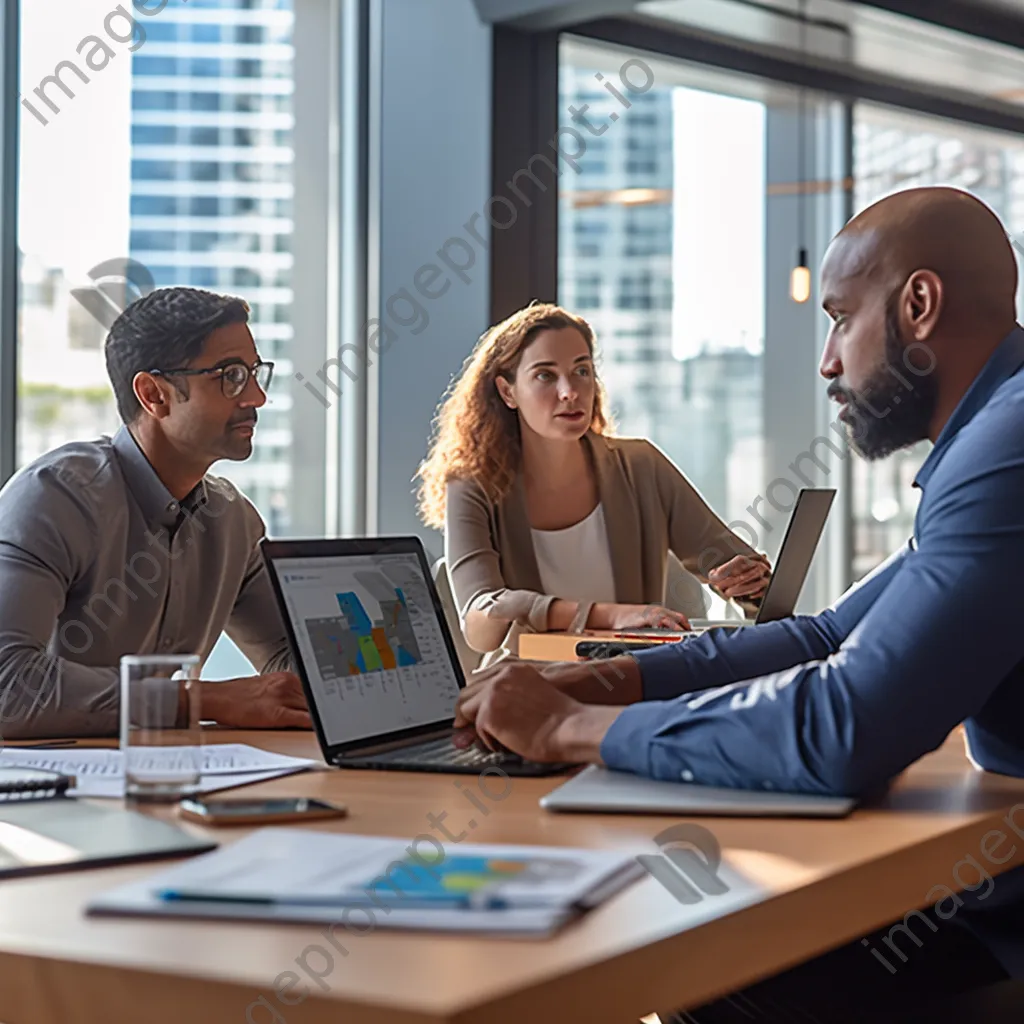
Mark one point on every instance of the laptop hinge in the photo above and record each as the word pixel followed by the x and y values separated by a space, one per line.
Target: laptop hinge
pixel 384 747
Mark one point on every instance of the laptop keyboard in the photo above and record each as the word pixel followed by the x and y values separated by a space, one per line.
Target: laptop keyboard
pixel 442 752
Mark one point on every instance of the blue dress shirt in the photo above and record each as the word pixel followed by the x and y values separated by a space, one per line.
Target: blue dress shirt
pixel 841 702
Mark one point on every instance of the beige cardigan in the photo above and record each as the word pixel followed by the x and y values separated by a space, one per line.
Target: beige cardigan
pixel 650 508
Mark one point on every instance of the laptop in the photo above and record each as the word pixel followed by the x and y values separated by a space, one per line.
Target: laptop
pixel 803 533
pixel 601 791
pixel 375 655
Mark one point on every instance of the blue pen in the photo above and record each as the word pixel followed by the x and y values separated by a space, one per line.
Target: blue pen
pixel 465 901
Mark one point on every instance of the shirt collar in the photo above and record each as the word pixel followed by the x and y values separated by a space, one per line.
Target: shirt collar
pixel 1002 365
pixel 158 505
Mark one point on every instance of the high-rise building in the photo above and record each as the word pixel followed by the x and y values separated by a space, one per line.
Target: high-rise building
pixel 212 188
pixel 699 397
pixel 616 253
pixel 62 375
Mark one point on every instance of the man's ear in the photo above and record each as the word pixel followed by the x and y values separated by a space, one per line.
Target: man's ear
pixel 505 391
pixel 153 395
pixel 924 299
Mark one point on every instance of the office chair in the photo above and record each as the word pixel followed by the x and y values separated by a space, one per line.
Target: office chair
pixel 684 592
pixel 468 658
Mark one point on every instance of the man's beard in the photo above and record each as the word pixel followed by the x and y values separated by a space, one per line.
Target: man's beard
pixel 895 408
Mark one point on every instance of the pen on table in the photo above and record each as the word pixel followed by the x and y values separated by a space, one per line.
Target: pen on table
pixel 466 901
pixel 45 745
pixel 671 638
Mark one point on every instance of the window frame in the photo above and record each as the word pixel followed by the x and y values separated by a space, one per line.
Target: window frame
pixel 531 118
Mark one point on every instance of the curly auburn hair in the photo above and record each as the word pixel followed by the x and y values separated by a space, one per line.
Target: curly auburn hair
pixel 476 435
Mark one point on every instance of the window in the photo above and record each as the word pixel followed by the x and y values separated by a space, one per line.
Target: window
pixel 125 204
pixel 589 234
pixel 205 67
pixel 148 100
pixel 204 101
pixel 641 167
pixel 203 206
pixel 203 136
pixel 204 33
pixel 681 345
pixel 635 292
pixel 153 170
pixel 157 241
pixel 144 65
pixel 647 235
pixel 203 241
pixel 153 135
pixel 588 291
pixel 161 31
pixel 154 206
pixel 164 277
pixel 202 277
pixel 204 172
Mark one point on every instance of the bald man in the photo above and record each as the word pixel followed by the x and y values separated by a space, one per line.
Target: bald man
pixel 924 343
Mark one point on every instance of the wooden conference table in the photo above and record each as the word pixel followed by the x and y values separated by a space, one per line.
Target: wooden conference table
pixel 829 882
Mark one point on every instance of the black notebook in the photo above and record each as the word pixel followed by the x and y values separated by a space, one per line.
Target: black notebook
pixel 31 784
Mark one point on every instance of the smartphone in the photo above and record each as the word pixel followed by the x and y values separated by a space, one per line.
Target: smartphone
pixel 258 812
pixel 597 650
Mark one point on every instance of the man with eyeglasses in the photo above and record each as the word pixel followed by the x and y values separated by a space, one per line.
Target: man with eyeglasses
pixel 126 545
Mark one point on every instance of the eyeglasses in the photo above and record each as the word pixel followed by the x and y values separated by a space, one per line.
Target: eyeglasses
pixel 233 378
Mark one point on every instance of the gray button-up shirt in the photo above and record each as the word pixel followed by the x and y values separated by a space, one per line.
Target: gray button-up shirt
pixel 98 560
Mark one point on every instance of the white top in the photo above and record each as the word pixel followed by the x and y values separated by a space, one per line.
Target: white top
pixel 576 563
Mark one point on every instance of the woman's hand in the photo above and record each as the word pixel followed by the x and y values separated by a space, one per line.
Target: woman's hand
pixel 742 576
pixel 649 616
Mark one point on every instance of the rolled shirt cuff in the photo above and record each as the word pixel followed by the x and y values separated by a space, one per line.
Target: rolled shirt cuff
pixel 660 668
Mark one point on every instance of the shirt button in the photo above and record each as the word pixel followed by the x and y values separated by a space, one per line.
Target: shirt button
pixel 172 507
pixel 687 776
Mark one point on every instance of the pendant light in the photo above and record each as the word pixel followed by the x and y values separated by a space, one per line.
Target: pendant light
pixel 800 279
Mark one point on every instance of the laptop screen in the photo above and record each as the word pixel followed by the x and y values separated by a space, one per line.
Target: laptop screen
pixel 796 554
pixel 370 642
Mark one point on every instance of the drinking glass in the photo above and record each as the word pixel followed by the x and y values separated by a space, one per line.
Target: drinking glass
pixel 160 733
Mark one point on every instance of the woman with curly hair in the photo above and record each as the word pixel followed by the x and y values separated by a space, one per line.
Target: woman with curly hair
pixel 550 521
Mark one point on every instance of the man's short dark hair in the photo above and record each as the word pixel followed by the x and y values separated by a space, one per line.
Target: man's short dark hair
pixel 164 330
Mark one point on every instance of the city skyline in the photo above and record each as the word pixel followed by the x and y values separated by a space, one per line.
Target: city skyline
pixel 188 172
